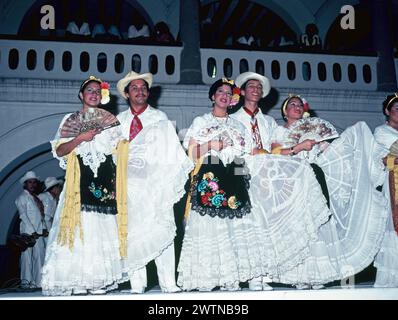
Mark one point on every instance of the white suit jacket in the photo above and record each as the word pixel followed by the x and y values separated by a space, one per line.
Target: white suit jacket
pixel 29 214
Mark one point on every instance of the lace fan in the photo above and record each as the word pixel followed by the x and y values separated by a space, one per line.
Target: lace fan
pixel 312 128
pixel 94 118
pixel 225 137
pixel 394 148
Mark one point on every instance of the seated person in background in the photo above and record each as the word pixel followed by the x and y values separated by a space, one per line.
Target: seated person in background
pixel 247 39
pixel 107 31
pixel 78 29
pixel 138 31
pixel 99 32
pixel 311 40
pixel 162 33
pixel 113 33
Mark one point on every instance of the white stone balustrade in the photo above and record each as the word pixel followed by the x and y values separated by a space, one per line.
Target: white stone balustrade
pixel 76 61
pixel 297 70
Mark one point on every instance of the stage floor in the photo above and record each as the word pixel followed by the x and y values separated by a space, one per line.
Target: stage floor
pixel 363 291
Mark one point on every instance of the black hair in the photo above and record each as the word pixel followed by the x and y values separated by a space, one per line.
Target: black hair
pixel 243 86
pixel 286 102
pixel 388 102
pixel 126 88
pixel 218 84
pixel 84 84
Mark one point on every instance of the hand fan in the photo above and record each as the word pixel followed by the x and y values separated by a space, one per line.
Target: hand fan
pixel 94 118
pixel 312 128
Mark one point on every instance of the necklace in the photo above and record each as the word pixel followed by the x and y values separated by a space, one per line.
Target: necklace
pixel 220 120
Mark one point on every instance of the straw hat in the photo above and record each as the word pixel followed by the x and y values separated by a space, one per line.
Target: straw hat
pixel 245 76
pixel 28 175
pixel 51 182
pixel 122 83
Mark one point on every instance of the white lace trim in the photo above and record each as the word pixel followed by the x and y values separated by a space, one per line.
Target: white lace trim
pixel 93 153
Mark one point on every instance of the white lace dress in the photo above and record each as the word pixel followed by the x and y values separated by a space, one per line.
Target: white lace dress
pixel 274 237
pixel 94 262
pixel 386 260
pixel 351 238
pixel 218 250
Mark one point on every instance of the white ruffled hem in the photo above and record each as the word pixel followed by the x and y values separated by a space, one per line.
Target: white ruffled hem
pixel 92 264
pixel 386 262
pixel 215 252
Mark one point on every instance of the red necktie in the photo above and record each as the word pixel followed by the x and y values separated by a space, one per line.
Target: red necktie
pixel 136 124
pixel 255 131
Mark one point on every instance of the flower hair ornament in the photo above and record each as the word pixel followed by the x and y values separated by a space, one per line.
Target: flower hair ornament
pixel 235 91
pixel 306 106
pixel 235 96
pixel 225 80
pixel 105 94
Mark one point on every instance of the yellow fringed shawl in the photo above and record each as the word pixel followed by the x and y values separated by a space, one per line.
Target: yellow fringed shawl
pixel 195 171
pixel 70 216
pixel 121 195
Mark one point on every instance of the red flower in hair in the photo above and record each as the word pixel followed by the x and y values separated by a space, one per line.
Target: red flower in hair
pixel 104 85
pixel 236 91
pixel 105 92
pixel 306 108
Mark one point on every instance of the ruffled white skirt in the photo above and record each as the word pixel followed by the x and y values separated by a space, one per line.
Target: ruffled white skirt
pixel 288 209
pixel 349 241
pixel 92 264
pixel 218 252
pixel 386 260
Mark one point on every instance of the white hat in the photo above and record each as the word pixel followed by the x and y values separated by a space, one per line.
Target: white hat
pixel 122 83
pixel 245 76
pixel 28 175
pixel 51 182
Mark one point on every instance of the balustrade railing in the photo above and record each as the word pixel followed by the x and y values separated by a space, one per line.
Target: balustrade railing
pixel 297 70
pixel 74 61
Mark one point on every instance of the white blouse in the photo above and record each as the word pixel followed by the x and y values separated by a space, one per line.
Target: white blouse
pixel 386 136
pixel 93 152
pixel 281 136
pixel 208 127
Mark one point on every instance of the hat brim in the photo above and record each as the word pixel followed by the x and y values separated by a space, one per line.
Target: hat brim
pixel 22 180
pixel 54 184
pixel 243 77
pixel 122 83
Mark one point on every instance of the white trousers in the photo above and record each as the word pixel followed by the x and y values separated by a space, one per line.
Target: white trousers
pixel 165 265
